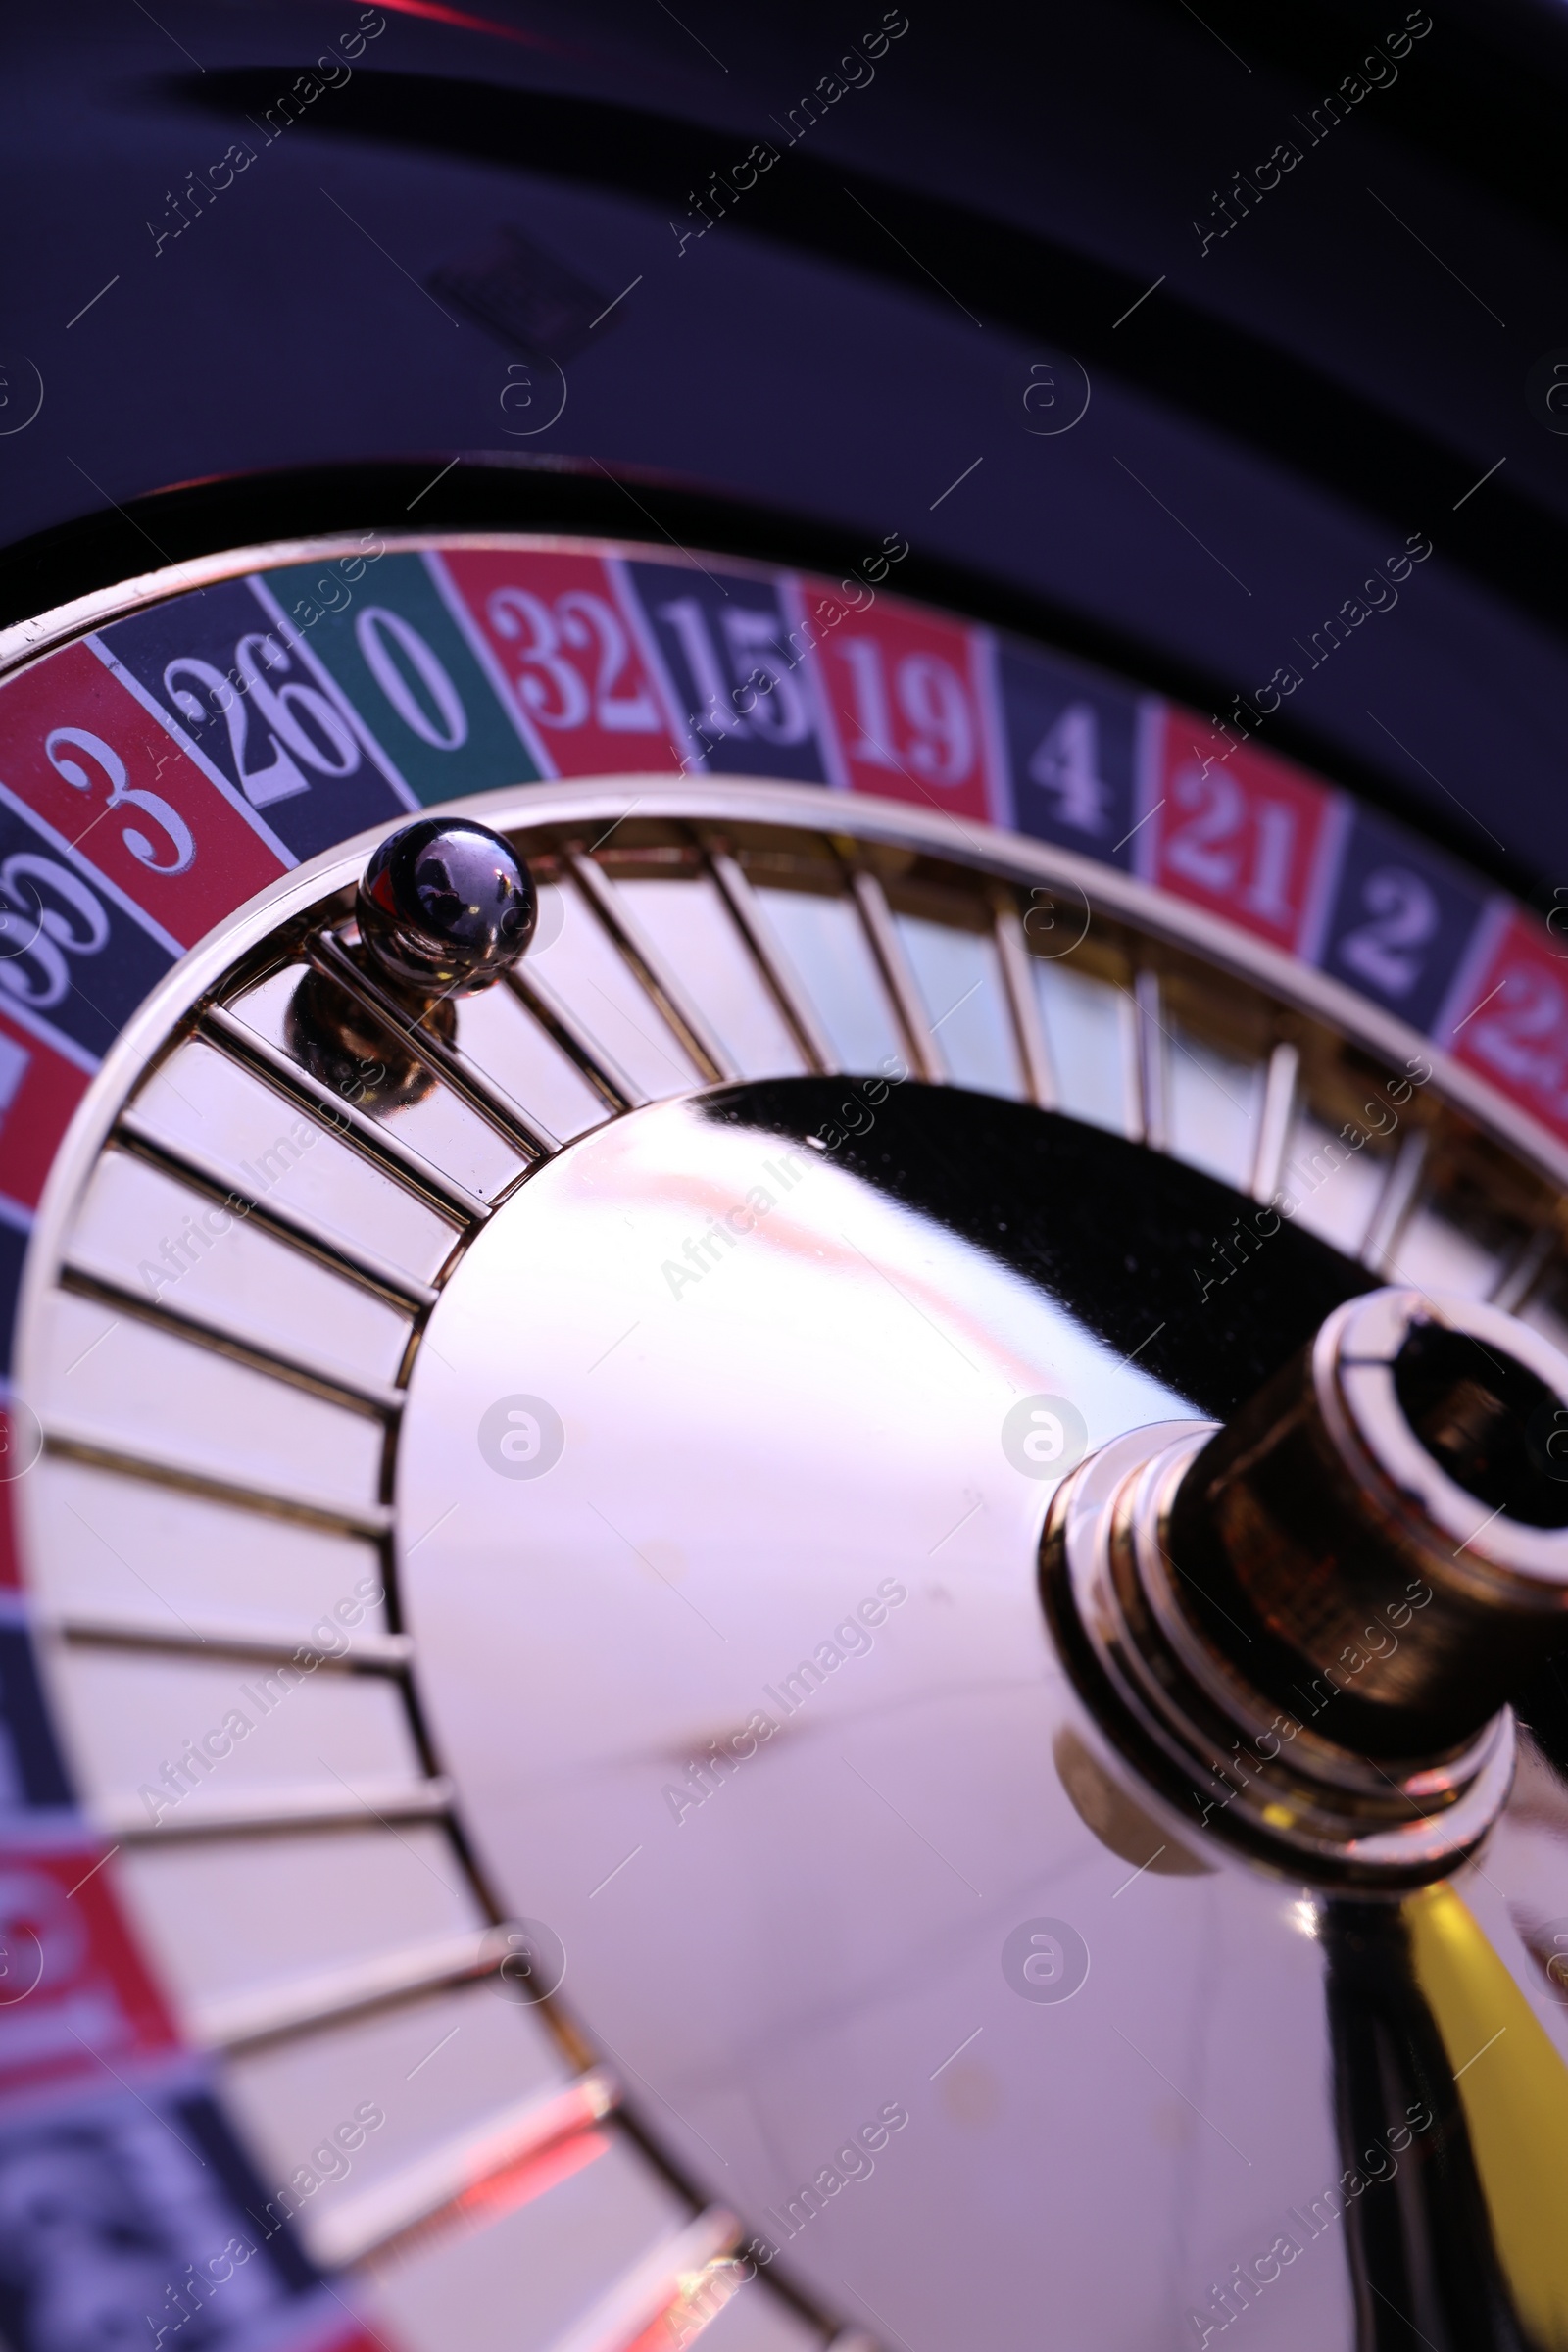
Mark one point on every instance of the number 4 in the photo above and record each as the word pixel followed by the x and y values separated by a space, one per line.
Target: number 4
pixel 1067 762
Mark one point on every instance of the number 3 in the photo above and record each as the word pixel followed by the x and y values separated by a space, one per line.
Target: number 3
pixel 509 610
pixel 123 794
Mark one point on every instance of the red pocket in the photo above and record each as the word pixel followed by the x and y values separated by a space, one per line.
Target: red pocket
pixel 908 697
pixel 1515 1029
pixel 570 658
pixel 39 1090
pixel 74 1993
pixel 94 763
pixel 1249 837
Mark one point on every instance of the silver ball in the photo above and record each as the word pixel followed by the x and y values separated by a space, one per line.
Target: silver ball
pixel 446 906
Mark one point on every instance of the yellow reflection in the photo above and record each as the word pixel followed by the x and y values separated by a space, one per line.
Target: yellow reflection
pixel 1514 2087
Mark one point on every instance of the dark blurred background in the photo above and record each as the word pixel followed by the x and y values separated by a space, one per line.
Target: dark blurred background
pixel 468 213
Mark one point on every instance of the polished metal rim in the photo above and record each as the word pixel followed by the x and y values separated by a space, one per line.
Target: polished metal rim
pixel 1080 884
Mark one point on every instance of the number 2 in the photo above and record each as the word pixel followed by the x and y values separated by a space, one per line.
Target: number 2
pixel 1526 1034
pixel 1405 917
pixel 585 620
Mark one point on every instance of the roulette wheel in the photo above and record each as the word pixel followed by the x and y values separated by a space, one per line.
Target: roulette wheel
pixel 543 1348
pixel 786 1438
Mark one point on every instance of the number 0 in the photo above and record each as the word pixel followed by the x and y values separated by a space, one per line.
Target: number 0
pixel 448 730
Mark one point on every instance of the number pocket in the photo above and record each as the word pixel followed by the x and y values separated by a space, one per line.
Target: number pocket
pixel 1404 918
